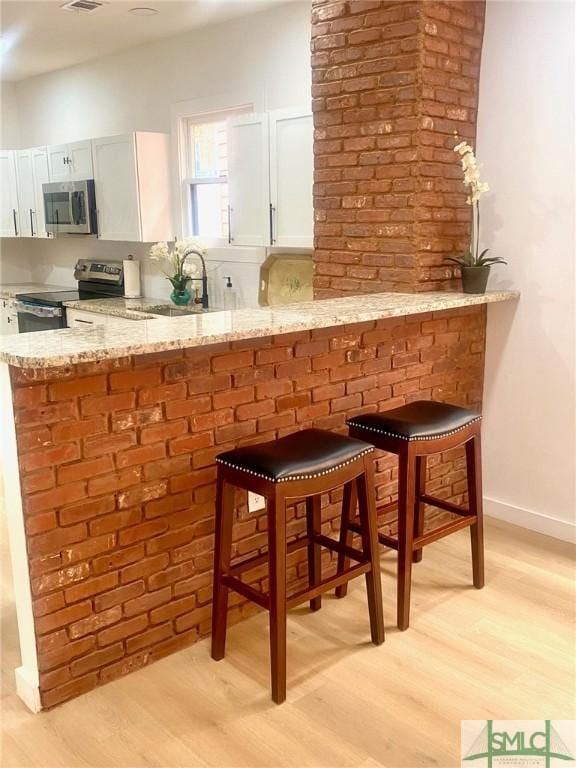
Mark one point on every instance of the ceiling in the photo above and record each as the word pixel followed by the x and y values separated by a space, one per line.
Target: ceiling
pixel 37 36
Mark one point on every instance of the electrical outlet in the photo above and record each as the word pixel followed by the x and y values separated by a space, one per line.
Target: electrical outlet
pixel 255 502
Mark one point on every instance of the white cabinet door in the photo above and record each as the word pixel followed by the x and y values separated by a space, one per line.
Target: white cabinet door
pixel 40 172
pixel 249 185
pixel 9 217
pixel 8 317
pixel 71 162
pixel 291 177
pixel 80 160
pixel 58 163
pixel 26 197
pixel 116 185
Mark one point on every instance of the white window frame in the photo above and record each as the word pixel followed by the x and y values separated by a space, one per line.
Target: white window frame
pixel 185 164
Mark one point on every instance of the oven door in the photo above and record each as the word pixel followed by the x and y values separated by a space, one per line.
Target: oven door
pixel 37 317
pixel 69 207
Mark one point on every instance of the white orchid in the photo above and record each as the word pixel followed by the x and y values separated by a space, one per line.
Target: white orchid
pixel 176 269
pixel 159 251
pixel 471 172
pixel 476 188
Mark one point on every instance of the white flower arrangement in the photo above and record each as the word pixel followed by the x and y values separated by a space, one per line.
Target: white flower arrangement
pixel 172 261
pixel 476 187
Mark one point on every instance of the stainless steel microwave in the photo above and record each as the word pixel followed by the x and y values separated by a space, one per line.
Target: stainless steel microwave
pixel 70 207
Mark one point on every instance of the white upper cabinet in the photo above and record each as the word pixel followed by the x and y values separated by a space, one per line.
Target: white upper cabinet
pixel 248 180
pixel 71 162
pixel 132 185
pixel 26 199
pixel 291 178
pixel 9 211
pixel 41 174
pixel 31 172
pixel 270 175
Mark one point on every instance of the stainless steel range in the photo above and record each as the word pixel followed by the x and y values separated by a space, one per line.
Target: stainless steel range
pixel 46 311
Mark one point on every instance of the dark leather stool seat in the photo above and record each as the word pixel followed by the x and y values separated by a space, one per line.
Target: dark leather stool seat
pixel 421 420
pixel 413 432
pixel 299 456
pixel 301 465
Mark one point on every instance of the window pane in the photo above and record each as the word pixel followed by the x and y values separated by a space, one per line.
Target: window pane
pixel 210 209
pixel 209 150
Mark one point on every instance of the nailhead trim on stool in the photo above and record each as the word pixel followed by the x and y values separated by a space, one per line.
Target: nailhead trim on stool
pixel 404 437
pixel 295 477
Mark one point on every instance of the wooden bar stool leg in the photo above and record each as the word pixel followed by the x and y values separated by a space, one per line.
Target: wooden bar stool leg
pixel 406 499
pixel 474 468
pixel 222 554
pixel 314 527
pixel 419 506
pixel 369 527
pixel 277 595
pixel 349 503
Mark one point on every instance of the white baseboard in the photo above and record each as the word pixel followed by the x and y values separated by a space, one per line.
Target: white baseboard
pixel 534 521
pixel 27 689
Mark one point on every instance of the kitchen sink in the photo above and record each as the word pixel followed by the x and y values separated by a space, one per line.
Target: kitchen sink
pixel 170 311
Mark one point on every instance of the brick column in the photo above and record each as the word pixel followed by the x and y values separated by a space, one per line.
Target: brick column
pixel 392 81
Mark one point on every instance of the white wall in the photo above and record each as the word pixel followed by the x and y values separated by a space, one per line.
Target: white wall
pixel 526 137
pixel 262 59
pixel 9 123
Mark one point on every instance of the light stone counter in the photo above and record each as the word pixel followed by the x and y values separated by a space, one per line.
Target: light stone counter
pixel 10 290
pixel 69 346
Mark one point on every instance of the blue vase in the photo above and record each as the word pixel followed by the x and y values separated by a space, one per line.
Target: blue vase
pixel 181 295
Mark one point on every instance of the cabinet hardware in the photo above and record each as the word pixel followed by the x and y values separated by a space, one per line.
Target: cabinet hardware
pixel 87 322
pixel 230 238
pixel 272 211
pixel 15 225
pixel 31 223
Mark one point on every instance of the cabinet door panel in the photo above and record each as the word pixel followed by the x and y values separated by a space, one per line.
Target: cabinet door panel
pixel 291 177
pixel 40 172
pixel 58 163
pixel 8 317
pixel 80 156
pixel 248 171
pixel 116 185
pixel 9 219
pixel 25 179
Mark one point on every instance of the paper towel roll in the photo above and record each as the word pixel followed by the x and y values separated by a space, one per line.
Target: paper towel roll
pixel 132 287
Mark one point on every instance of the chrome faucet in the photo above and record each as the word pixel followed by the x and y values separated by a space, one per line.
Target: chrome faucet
pixel 204 299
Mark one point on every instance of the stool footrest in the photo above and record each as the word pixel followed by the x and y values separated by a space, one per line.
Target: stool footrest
pixel 254 562
pixel 247 591
pixel 441 504
pixel 444 530
pixel 335 546
pixel 463 521
pixel 327 584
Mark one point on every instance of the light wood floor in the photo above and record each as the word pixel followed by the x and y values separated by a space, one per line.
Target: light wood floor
pixel 504 652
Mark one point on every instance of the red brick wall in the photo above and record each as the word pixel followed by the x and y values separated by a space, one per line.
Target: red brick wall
pixel 392 81
pixel 117 471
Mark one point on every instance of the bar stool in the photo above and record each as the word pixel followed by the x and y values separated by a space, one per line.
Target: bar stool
pixel 413 432
pixel 301 465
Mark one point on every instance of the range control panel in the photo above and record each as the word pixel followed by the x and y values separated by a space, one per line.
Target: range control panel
pixel 99 271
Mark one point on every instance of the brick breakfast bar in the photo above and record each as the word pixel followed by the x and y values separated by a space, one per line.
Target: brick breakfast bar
pixel 109 472
pixel 109 441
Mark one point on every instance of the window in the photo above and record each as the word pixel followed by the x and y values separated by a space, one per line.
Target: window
pixel 206 176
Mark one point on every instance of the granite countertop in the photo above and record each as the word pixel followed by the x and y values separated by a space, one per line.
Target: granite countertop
pixel 10 290
pixel 69 346
pixel 129 309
